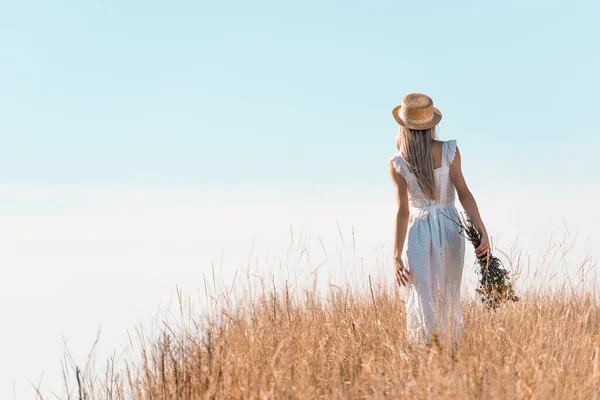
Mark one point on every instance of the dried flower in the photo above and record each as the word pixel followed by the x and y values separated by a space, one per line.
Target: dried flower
pixel 495 286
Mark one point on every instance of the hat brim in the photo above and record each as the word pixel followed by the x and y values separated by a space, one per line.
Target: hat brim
pixel 437 117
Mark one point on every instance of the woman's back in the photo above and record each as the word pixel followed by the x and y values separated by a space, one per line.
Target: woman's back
pixel 443 154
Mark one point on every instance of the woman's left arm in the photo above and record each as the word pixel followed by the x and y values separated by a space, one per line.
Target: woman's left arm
pixel 401 225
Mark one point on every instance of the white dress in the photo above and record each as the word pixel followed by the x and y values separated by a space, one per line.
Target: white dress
pixel 434 254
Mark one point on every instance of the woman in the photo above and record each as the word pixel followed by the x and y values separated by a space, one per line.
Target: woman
pixel 427 173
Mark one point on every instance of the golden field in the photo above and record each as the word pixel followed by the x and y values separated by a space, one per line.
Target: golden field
pixel 351 345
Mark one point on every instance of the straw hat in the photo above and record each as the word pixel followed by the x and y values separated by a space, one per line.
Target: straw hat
pixel 417 112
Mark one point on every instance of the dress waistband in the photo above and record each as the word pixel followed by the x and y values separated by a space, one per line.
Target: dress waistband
pixel 431 215
pixel 431 206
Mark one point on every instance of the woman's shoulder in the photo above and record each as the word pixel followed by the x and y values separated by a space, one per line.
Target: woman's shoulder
pixel 446 143
pixel 449 149
pixel 395 159
pixel 399 164
pixel 395 156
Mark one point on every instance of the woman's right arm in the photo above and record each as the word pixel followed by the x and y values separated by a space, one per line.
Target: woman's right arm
pixel 469 204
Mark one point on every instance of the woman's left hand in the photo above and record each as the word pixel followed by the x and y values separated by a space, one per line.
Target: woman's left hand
pixel 401 272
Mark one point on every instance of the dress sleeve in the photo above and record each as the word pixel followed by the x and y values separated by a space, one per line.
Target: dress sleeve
pixel 399 165
pixel 450 151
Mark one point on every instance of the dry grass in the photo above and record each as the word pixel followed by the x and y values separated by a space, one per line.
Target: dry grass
pixel 352 345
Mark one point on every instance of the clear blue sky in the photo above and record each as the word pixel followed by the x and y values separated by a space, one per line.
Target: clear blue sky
pixel 199 93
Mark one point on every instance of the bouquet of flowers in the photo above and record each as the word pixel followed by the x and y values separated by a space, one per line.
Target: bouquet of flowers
pixel 495 286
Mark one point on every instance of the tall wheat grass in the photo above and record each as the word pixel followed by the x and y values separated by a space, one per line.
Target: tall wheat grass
pixel 346 345
pixel 276 342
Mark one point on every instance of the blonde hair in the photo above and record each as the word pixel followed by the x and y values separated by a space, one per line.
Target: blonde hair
pixel 415 147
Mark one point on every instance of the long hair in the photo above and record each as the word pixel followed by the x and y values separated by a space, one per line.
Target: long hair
pixel 415 147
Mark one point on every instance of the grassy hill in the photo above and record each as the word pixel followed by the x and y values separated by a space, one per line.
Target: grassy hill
pixel 352 345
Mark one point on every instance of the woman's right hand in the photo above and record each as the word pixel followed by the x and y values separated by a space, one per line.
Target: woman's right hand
pixel 483 251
